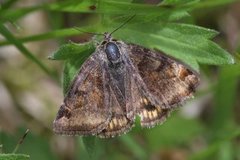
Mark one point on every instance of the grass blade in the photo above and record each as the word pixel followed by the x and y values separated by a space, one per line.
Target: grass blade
pixel 8 35
pixel 50 35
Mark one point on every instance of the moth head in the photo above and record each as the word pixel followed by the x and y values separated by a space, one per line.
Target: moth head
pixel 112 51
pixel 107 36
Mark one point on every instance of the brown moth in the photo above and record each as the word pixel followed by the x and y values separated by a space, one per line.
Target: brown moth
pixel 118 82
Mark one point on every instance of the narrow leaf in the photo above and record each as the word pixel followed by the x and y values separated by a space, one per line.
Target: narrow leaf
pixel 14 157
pixel 213 3
pixel 104 6
pixel 107 7
pixel 224 103
pixel 53 34
pixel 178 2
pixel 14 14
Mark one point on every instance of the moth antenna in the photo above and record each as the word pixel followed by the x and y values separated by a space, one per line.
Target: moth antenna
pixel 20 141
pixel 123 24
pixel 88 32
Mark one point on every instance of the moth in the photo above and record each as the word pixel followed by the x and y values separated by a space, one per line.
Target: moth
pixel 118 82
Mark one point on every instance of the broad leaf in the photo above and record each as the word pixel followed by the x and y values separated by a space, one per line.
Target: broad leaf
pixel 71 67
pixel 174 40
pixel 71 50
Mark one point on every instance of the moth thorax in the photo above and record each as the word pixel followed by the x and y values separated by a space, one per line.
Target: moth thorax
pixel 112 51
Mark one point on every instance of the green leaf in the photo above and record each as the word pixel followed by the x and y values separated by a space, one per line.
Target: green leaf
pixel 14 157
pixel 189 30
pixel 150 12
pixel 226 151
pixel 72 50
pixel 185 29
pixel 178 2
pixel 72 66
pixel 173 39
pixel 104 6
pixel 225 103
pixel 90 145
pixel 53 34
pixel 14 14
pixel 213 3
pixel 107 7
pixel 115 7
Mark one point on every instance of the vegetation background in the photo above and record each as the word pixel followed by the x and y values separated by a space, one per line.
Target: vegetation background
pixel 206 127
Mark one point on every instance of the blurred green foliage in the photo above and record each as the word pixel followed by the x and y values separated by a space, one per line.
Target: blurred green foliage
pixel 165 27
